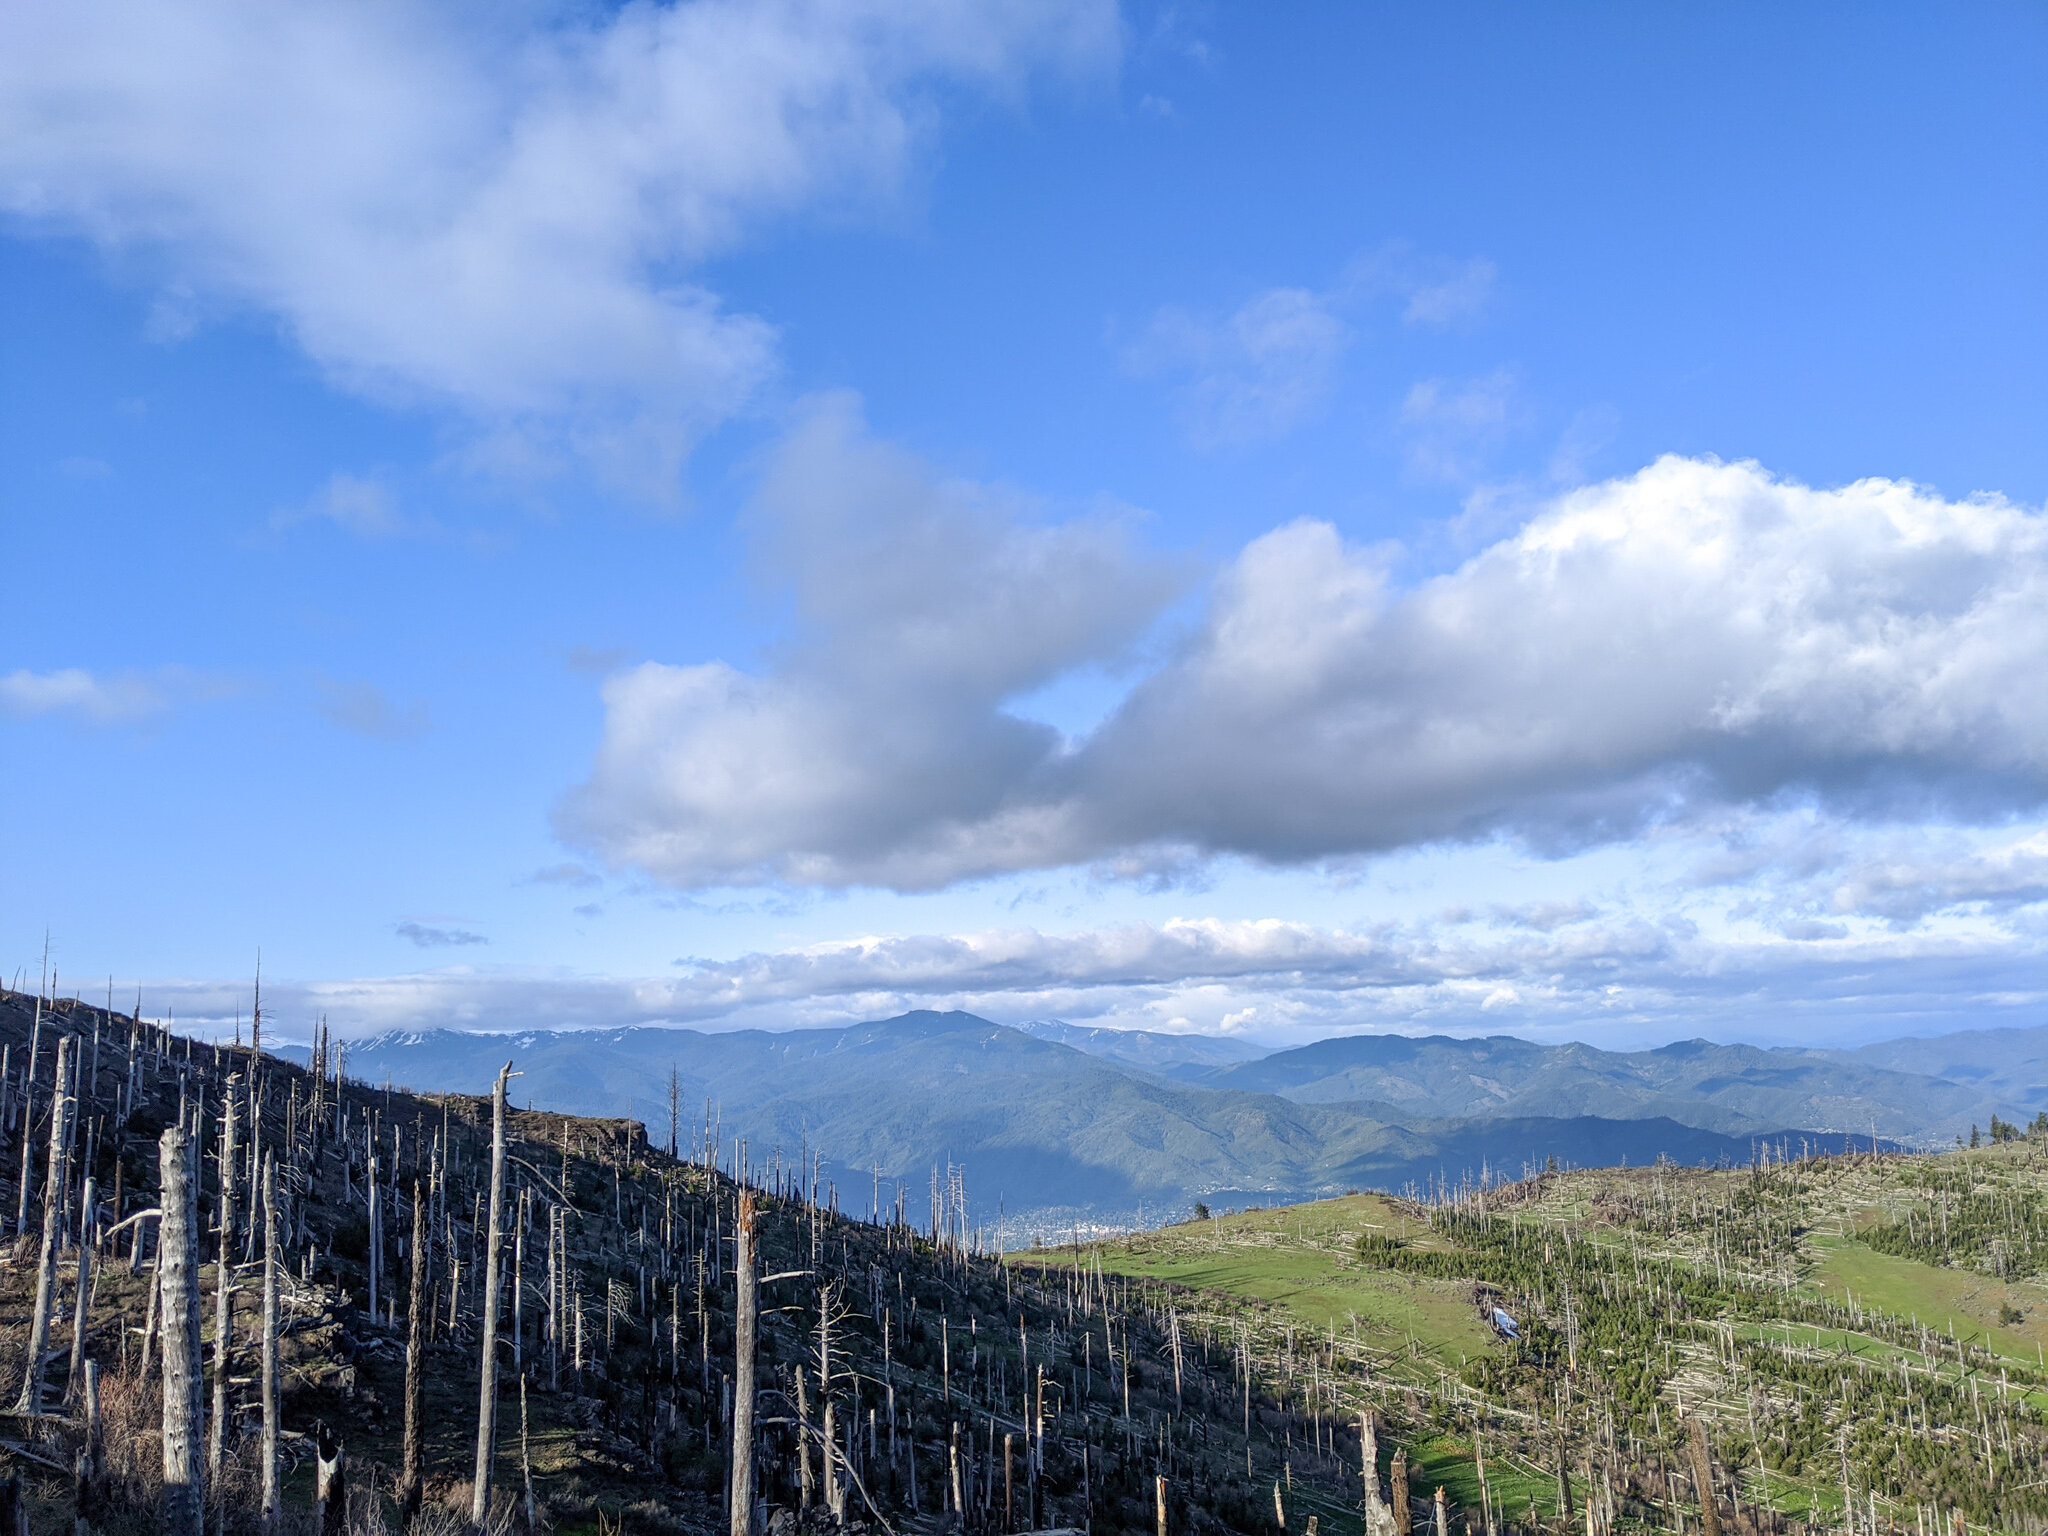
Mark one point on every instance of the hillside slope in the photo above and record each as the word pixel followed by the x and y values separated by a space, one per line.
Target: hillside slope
pixel 907 1382
pixel 1861 1329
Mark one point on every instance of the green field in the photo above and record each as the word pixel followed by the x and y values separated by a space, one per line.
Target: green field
pixel 1301 1260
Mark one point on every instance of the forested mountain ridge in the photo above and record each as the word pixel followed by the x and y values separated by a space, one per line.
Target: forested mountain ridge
pixel 1739 1090
pixel 1053 1137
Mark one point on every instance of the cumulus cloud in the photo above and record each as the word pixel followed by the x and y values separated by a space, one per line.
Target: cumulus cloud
pixel 876 745
pixel 499 209
pixel 1695 634
pixel 1646 651
pixel 104 698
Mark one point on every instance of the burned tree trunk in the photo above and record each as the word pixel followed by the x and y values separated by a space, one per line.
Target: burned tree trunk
pixel 411 1481
pixel 88 1480
pixel 1703 1475
pixel 746 1322
pixel 1379 1518
pixel 81 1309
pixel 223 1278
pixel 184 1501
pixel 487 1391
pixel 330 1487
pixel 273 1502
pixel 31 1399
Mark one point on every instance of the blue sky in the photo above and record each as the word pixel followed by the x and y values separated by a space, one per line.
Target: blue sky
pixel 1270 519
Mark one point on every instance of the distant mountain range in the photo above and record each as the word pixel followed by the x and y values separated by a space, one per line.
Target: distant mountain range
pixel 1059 1125
pixel 1739 1090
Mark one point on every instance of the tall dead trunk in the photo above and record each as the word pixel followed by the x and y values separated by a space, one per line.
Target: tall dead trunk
pixel 273 1500
pixel 31 1399
pixel 1379 1519
pixel 330 1484
pixel 81 1307
pixel 1703 1475
pixel 828 1437
pixel 223 1276
pixel 412 1480
pixel 807 1482
pixel 184 1500
pixel 487 1391
pixel 1404 1519
pixel 88 1481
pixel 746 1322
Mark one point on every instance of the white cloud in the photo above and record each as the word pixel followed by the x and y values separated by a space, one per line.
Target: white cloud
pixel 1800 870
pixel 104 699
pixel 1619 977
pixel 492 209
pixel 877 745
pixel 1695 634
pixel 1646 651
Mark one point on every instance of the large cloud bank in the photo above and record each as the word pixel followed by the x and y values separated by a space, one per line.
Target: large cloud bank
pixel 1643 652
pixel 495 209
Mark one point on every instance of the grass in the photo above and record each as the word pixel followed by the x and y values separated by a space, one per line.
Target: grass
pixel 1299 1259
pixel 1958 1301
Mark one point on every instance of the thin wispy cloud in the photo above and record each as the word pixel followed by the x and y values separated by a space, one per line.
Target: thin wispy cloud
pixel 360 504
pixel 428 936
pixel 1453 427
pixel 1272 363
pixel 1255 373
pixel 364 709
pixel 1431 289
pixel 106 698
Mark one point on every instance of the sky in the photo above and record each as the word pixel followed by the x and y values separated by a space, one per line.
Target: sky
pixel 1269 520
